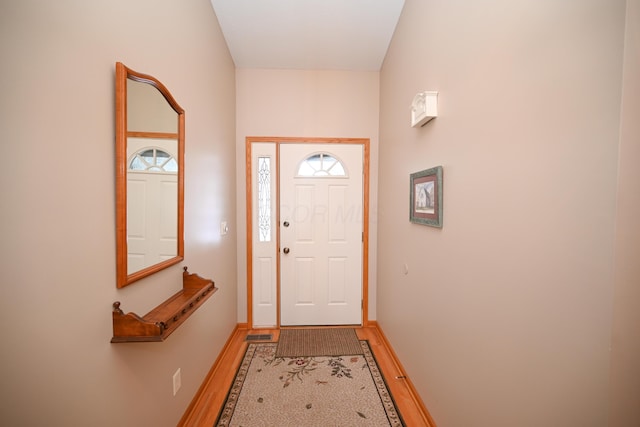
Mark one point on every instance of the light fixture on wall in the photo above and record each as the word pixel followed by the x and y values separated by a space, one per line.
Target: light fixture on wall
pixel 424 108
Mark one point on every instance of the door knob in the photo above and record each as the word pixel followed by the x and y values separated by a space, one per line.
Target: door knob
pixel 286 223
pixel 285 250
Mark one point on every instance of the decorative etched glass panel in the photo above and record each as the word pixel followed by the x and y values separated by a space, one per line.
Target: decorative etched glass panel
pixel 264 199
pixel 319 165
pixel 153 160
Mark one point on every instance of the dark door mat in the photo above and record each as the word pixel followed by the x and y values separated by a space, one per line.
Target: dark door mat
pixel 318 342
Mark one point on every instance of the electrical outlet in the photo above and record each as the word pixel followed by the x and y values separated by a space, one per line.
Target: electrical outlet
pixel 177 382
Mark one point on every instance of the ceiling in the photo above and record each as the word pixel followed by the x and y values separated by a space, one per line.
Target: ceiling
pixel 308 34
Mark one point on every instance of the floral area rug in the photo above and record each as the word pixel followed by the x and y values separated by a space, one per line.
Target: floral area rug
pixel 314 391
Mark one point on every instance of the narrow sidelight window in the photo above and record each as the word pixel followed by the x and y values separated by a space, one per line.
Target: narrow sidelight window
pixel 264 199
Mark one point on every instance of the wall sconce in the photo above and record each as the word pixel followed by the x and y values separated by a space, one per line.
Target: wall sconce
pixel 424 108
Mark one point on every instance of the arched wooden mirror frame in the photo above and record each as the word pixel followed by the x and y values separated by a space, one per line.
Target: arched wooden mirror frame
pixel 123 74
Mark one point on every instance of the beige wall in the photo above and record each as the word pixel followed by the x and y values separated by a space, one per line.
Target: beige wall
pixel 505 315
pixel 58 228
pixel 625 346
pixel 305 104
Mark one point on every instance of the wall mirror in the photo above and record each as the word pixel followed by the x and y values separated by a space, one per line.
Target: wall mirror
pixel 149 176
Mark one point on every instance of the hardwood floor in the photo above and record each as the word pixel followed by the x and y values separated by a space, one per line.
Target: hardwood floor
pixel 203 410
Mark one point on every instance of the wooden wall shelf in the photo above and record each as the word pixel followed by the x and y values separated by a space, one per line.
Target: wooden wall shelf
pixel 160 322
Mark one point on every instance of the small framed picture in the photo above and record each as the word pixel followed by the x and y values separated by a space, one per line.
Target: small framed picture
pixel 425 194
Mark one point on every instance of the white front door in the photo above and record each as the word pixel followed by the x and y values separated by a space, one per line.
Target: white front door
pixel 321 234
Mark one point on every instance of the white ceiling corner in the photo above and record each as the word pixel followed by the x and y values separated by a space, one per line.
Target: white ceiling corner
pixel 308 34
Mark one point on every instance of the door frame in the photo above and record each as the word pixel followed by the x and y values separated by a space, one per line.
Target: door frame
pixel 365 142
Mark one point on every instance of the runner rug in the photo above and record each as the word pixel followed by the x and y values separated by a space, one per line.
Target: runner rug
pixel 308 391
pixel 318 342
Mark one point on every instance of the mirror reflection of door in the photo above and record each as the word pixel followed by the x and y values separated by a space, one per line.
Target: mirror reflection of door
pixel 152 205
pixel 152 178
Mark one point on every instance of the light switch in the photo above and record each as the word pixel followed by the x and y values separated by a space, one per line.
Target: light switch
pixel 224 228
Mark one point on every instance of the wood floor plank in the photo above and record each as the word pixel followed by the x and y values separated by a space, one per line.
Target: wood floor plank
pixel 204 409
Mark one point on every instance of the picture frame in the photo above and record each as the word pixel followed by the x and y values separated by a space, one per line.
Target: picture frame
pixel 425 197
